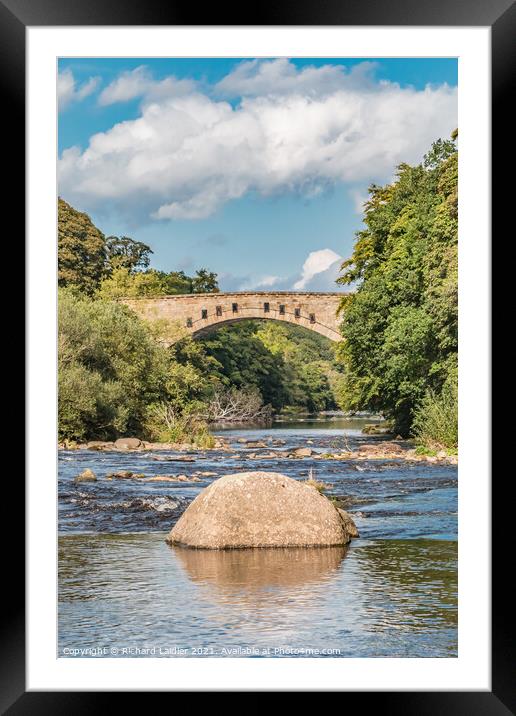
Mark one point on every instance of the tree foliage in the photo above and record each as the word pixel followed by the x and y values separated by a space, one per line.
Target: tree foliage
pixel 81 250
pixel 126 253
pixel 124 282
pixel 400 325
pixel 205 281
pixel 436 423
pixel 112 370
pixel 116 267
pixel 289 366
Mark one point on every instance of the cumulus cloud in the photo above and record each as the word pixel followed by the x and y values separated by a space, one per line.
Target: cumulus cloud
pixel 68 90
pixel 253 78
pixel 319 271
pixel 274 283
pixel 189 153
pixel 140 83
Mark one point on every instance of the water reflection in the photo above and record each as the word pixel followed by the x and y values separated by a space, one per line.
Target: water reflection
pixel 255 591
pixel 375 599
pixel 256 569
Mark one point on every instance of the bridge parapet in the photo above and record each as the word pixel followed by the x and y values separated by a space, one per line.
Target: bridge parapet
pixel 200 313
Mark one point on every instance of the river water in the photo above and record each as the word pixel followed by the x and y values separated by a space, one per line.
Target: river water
pixel 124 592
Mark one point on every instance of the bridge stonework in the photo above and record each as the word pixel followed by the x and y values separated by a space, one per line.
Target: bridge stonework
pixel 201 313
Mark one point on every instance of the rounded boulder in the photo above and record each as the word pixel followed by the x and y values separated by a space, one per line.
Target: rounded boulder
pixel 127 443
pixel 260 509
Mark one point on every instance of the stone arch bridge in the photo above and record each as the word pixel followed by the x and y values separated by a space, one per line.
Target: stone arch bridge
pixel 201 313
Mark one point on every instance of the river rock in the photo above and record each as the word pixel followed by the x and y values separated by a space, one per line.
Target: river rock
pixel 99 445
pixel 381 449
pixel 302 452
pixel 259 509
pixel 173 478
pixel 125 475
pixel 174 458
pixel 128 443
pixel 86 476
pixel 349 525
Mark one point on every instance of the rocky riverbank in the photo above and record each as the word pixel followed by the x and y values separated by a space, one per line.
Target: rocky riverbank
pixel 272 448
pixel 132 444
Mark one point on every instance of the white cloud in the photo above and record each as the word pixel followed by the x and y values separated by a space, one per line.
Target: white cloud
pixel 253 78
pixel 68 91
pixel 320 268
pixel 140 83
pixel 318 273
pixel 268 281
pixel 187 153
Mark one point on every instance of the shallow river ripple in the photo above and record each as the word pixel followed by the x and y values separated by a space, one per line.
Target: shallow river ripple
pixel 124 592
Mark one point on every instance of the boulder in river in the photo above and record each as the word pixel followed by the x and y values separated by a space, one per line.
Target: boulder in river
pixel 86 476
pixel 302 452
pixel 260 509
pixel 128 443
pixel 347 520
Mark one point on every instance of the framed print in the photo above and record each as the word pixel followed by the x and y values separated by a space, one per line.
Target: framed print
pixel 258 271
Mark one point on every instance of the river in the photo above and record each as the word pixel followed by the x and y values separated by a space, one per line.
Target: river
pixel 124 592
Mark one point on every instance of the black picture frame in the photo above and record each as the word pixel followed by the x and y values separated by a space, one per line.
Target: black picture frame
pixel 500 16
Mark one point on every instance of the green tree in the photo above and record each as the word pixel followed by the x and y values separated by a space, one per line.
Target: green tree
pixel 308 365
pixel 122 283
pixel 123 252
pixel 114 371
pixel 400 325
pixel 177 282
pixel 205 281
pixel 289 366
pixel 81 250
pixel 242 361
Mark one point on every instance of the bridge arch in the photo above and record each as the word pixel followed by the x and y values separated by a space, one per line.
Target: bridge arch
pixel 201 313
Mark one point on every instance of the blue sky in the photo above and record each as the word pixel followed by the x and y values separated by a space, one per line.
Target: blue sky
pixel 255 169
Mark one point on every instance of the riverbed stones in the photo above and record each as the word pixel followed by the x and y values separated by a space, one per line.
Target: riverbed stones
pixel 259 509
pixel 128 443
pixel 173 478
pixel 381 449
pixel 302 452
pixel 86 475
pixel 125 475
pixel 99 445
pixel 174 458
